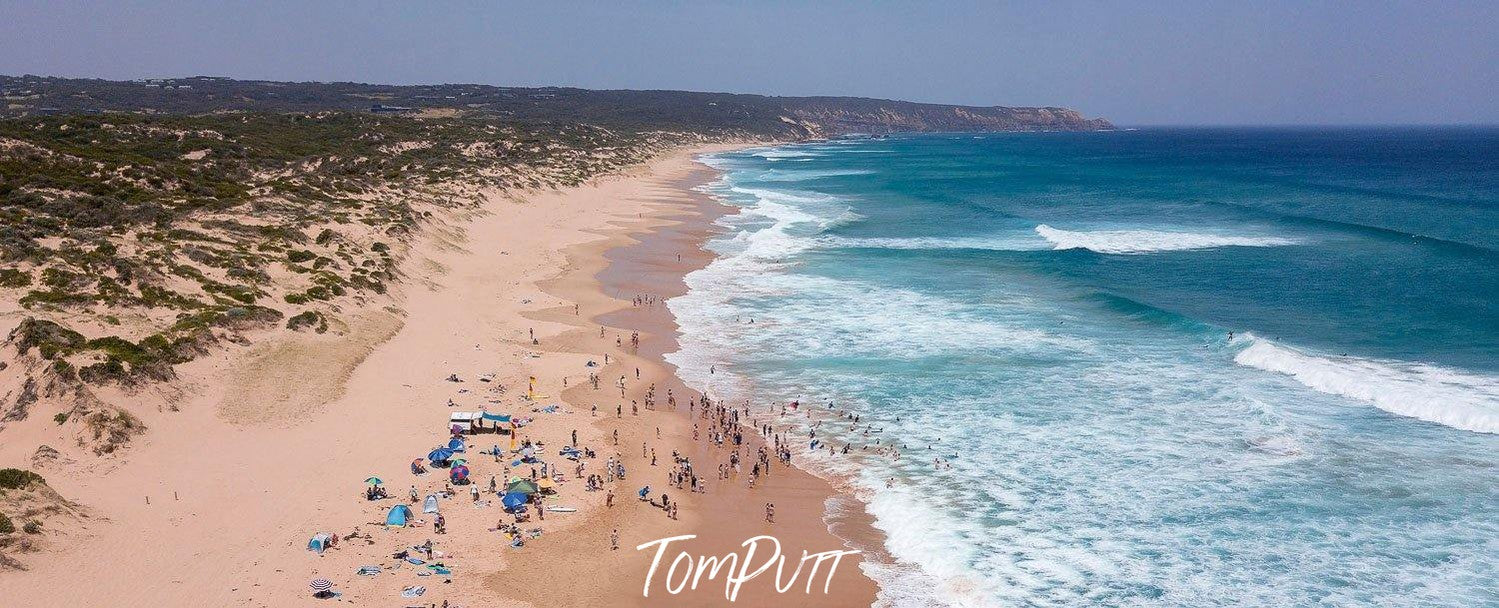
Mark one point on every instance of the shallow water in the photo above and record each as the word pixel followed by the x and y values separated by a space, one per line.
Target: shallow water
pixel 1049 314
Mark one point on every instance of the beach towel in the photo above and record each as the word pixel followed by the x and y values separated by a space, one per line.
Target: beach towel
pixel 368 570
pixel 413 591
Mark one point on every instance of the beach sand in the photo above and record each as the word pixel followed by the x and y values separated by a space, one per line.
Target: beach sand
pixel 214 506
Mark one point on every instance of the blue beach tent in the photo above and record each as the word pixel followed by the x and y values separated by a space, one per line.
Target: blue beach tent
pixel 398 516
pixel 319 542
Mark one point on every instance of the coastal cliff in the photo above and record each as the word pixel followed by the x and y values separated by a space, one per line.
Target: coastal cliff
pixel 840 115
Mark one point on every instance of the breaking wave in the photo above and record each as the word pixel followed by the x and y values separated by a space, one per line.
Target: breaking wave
pixel 1454 398
pixel 1127 242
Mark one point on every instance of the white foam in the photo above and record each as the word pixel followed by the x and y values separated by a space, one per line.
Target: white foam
pixel 1446 396
pixel 1127 242
pixel 799 175
pixel 775 154
pixel 991 243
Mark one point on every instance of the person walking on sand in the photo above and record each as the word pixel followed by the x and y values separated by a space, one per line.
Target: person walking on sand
pixel 609 500
pixel 614 540
pixel 770 513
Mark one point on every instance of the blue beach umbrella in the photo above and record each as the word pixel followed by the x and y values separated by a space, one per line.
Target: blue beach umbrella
pixel 440 454
pixel 513 500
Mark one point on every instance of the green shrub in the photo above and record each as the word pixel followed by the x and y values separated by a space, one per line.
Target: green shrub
pixel 50 339
pixel 10 277
pixel 32 527
pixel 308 319
pixel 15 479
pixel 6 527
pixel 60 418
pixel 300 256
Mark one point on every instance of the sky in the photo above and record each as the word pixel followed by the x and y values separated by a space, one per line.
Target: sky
pixel 1135 63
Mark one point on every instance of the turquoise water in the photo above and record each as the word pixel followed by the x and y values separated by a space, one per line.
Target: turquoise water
pixel 1049 314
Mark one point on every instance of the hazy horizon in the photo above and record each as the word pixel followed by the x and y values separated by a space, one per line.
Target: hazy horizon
pixel 1166 64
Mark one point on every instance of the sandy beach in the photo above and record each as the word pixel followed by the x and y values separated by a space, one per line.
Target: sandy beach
pixel 271 445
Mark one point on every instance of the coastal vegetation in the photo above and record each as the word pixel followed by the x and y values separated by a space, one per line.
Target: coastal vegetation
pixel 167 234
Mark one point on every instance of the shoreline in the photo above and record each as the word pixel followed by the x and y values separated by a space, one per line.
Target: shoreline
pixel 652 255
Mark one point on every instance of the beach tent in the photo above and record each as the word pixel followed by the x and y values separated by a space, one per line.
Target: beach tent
pixel 512 500
pixel 430 505
pixel 522 486
pixel 398 516
pixel 319 542
pixel 456 445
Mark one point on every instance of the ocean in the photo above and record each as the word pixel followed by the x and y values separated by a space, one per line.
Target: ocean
pixel 1159 367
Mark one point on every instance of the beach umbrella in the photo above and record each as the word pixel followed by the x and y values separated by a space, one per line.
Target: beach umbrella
pixel 458 461
pixel 513 500
pixel 439 454
pixel 459 472
pixel 321 585
pixel 374 481
pixel 546 483
pixel 522 486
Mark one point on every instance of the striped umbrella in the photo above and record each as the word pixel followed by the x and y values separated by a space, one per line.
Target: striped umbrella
pixel 320 585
